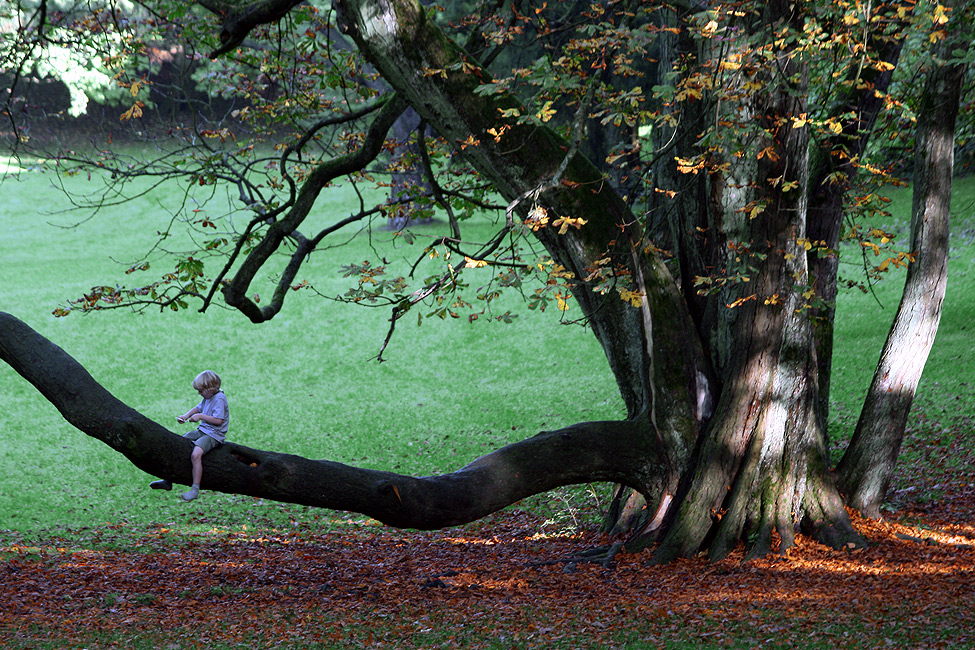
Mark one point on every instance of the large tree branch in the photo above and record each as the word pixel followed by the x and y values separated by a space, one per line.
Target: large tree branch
pixel 590 451
pixel 239 18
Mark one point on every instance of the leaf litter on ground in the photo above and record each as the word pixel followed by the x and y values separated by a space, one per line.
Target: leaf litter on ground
pixel 496 583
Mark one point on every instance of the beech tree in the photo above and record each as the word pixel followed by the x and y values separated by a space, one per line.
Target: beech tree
pixel 702 254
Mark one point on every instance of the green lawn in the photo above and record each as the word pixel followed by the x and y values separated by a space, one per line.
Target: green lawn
pixel 305 383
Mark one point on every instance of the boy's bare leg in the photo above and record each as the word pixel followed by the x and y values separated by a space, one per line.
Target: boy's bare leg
pixel 196 458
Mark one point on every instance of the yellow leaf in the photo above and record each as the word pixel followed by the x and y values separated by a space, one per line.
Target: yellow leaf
pixel 561 302
pixel 135 111
pixel 741 301
pixel 471 141
pixel 688 166
pixel 546 113
pixel 471 263
pixel 497 133
pixel 635 298
pixel 565 222
pixel 134 89
pixel 537 218
pixel 559 271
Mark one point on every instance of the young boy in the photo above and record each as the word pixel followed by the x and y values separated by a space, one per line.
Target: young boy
pixel 213 416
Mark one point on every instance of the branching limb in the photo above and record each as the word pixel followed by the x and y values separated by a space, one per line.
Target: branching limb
pixel 235 291
pixel 447 279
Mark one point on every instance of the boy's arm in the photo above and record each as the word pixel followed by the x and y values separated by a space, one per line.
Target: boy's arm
pixel 187 417
pixel 209 419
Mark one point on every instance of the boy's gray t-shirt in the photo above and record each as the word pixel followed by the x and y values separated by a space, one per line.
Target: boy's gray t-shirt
pixel 217 407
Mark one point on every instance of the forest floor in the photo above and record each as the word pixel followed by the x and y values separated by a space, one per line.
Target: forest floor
pixel 496 583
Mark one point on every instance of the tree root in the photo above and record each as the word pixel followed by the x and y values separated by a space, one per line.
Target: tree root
pixel 930 541
pixel 602 555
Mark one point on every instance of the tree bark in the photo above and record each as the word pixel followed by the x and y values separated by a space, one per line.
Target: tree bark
pixel 867 467
pixel 407 178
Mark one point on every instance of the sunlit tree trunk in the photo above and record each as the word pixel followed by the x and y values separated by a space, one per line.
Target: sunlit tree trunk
pixel 868 465
pixel 762 465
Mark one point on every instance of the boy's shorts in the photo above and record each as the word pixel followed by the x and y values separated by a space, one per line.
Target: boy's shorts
pixel 202 440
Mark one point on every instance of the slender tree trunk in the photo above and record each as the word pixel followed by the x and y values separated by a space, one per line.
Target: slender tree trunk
pixel 833 172
pixel 867 466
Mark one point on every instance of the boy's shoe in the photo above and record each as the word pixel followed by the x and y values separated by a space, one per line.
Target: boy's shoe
pixel 192 494
pixel 161 484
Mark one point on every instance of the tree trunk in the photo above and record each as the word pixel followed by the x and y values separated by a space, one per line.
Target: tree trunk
pixel 762 459
pixel 762 467
pixel 833 172
pixel 867 466
pixel 408 179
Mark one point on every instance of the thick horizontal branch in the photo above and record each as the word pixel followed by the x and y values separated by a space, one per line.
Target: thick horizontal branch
pixel 617 451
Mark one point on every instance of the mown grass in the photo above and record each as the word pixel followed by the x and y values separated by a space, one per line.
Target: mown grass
pixel 306 382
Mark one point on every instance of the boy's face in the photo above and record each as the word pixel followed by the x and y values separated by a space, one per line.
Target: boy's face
pixel 207 393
